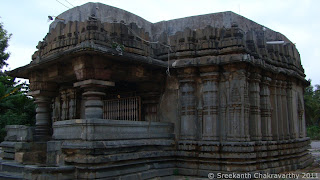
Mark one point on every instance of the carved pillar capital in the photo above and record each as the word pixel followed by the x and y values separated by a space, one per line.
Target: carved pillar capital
pixel 289 85
pixel 284 84
pixel 43 86
pixel 266 80
pixel 187 73
pixel 278 83
pixel 255 77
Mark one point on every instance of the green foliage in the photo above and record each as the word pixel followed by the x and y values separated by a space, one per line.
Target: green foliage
pixel 15 106
pixel 313 132
pixel 312 110
pixel 4 38
pixel 312 105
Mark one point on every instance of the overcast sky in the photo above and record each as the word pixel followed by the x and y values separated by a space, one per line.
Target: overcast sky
pixel 298 20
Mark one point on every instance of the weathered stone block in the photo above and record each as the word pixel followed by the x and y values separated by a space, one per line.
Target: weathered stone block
pixel 19 133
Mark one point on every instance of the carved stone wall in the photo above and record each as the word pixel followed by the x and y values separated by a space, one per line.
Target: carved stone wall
pixel 243 113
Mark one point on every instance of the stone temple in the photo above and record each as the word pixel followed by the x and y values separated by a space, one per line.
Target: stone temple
pixel 119 97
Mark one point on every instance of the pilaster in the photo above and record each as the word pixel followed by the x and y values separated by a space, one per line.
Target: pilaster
pixel 188 125
pixel 274 112
pixel 255 114
pixel 266 109
pixel 286 134
pixel 290 111
pixel 210 124
pixel 279 108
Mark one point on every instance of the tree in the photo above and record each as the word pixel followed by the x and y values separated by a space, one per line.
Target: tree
pixel 15 106
pixel 4 38
pixel 312 105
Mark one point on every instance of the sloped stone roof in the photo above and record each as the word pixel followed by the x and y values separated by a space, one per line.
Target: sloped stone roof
pixel 106 13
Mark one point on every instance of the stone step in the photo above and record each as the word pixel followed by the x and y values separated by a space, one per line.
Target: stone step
pixel 11 166
pixel 10 175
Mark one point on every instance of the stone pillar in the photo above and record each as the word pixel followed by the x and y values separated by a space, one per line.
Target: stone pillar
pixel 43 93
pixel 255 117
pixel 93 95
pixel 286 134
pixel 43 100
pixel 93 103
pixel 43 128
pixel 188 129
pixel 274 113
pixel 279 109
pixel 210 124
pixel 266 109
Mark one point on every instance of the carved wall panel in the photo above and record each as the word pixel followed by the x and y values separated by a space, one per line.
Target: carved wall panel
pixel 239 108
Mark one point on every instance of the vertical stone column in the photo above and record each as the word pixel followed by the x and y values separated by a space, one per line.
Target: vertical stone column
pixel 286 134
pixel 93 103
pixel 290 111
pixel 43 100
pixel 188 129
pixel 224 91
pixel 43 93
pixel 274 113
pixel 279 109
pixel 93 95
pixel 255 117
pixel 210 124
pixel 266 110
pixel 43 119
